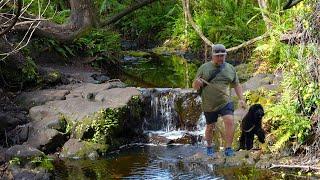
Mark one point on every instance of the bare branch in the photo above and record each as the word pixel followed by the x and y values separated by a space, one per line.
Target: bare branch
pixel 14 21
pixel 34 23
pixel 294 167
pixel 247 43
pixel 186 8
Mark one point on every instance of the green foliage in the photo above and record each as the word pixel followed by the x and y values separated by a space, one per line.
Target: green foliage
pixel 147 23
pixel 101 127
pixel 179 72
pixel 261 96
pixel 49 10
pixel 46 44
pixel 29 70
pixel 287 125
pixel 225 21
pixel 15 161
pixel 288 118
pixel 99 41
pixel 43 162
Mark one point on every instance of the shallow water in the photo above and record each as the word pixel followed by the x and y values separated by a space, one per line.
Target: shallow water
pixel 154 162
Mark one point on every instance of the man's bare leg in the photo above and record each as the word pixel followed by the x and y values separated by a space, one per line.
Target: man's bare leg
pixel 229 129
pixel 209 133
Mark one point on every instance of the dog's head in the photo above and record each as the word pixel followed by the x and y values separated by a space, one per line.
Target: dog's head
pixel 257 111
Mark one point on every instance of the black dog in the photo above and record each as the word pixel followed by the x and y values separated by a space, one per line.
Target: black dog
pixel 250 126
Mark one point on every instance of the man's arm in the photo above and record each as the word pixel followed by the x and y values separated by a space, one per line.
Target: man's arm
pixel 239 92
pixel 197 84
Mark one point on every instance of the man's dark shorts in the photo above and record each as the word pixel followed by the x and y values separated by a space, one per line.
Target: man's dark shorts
pixel 212 117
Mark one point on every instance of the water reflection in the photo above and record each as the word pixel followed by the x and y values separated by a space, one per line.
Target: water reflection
pixel 152 162
pixel 159 71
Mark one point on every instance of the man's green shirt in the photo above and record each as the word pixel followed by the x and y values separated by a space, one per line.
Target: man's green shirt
pixel 217 94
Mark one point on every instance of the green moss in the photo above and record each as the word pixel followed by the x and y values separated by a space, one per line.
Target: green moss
pixel 53 76
pixel 137 53
pixel 65 124
pixel 105 124
pixel 90 147
pixel 43 162
pixel 163 49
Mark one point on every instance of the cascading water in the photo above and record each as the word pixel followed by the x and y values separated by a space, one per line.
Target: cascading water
pixel 172 113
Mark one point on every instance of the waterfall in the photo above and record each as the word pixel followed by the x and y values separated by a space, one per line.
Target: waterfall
pixel 161 114
pixel 171 113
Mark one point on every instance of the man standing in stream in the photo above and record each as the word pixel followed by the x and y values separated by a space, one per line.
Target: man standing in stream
pixel 214 80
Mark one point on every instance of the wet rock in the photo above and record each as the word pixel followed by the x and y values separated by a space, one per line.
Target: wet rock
pixel 241 158
pixel 19 134
pixel 188 107
pixel 34 174
pixel 89 91
pixel 186 139
pixel 129 59
pixel 155 139
pixel 75 148
pixel 35 98
pixel 93 155
pixel 2 155
pixel 180 108
pixel 100 78
pixel 265 161
pixel 51 76
pixel 23 152
pixel 8 119
pixel 47 140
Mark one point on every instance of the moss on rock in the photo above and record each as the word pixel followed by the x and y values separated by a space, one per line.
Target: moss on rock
pixel 105 126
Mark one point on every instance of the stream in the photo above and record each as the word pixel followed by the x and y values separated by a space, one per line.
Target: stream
pixel 170 141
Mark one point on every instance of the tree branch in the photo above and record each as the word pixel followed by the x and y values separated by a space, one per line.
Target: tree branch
pixel 247 43
pixel 186 8
pixel 125 12
pixel 290 3
pixel 294 167
pixel 263 7
pixel 14 21
pixel 15 60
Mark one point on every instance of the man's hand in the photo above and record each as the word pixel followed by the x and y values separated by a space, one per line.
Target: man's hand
pixel 242 104
pixel 197 84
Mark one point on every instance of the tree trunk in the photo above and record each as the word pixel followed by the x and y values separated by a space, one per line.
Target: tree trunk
pixel 83 17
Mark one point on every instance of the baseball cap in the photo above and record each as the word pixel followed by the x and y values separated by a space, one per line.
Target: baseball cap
pixel 218 49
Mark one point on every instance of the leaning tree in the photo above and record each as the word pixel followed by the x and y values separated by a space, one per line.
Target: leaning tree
pixel 14 17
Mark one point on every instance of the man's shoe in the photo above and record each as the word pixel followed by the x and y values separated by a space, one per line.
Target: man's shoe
pixel 210 151
pixel 228 151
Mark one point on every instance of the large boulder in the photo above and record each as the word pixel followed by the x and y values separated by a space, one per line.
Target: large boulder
pixel 92 112
pixel 36 98
pixel 75 148
pixel 46 140
pixel 23 152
